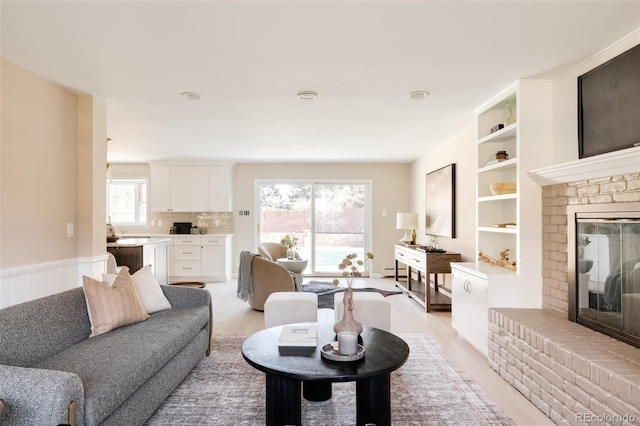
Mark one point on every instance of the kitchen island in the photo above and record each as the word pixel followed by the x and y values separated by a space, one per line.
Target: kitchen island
pixel 138 252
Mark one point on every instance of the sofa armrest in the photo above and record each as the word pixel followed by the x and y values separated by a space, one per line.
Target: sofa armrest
pixel 189 297
pixel 39 396
pixel 186 297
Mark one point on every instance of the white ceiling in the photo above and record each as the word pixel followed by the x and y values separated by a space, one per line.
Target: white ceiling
pixel 248 59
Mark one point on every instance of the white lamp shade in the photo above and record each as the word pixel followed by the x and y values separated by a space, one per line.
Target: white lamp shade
pixel 407 221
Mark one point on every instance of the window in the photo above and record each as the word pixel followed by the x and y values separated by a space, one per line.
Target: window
pixel 127 201
pixel 330 219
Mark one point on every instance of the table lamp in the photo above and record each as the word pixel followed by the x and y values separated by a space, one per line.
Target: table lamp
pixel 408 222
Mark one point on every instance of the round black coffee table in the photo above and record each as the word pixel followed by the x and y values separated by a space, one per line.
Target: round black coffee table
pixel 384 353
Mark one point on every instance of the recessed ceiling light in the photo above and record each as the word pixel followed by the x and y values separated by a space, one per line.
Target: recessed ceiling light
pixel 192 96
pixel 418 94
pixel 307 95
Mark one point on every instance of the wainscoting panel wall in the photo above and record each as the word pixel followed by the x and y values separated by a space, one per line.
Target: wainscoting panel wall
pixel 18 285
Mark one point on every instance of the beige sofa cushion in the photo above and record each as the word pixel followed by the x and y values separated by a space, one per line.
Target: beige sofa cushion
pixel 112 306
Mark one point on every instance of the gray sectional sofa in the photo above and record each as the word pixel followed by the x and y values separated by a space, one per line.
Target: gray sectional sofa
pixel 52 373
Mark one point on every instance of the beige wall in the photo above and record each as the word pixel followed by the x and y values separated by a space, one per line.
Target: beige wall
pixel 92 172
pixel 40 175
pixel 439 156
pixel 390 192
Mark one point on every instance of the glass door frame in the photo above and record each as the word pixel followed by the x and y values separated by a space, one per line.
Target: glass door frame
pixel 368 215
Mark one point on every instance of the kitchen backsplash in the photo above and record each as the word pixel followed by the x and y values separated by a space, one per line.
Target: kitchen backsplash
pixel 161 222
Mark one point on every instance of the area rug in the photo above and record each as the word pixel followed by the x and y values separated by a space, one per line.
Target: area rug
pixel 428 390
pixel 325 292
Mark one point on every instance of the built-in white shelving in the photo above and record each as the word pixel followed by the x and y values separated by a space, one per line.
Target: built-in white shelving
pixel 507 221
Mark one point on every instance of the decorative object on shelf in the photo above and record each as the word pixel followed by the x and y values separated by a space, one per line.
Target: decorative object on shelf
pixel 408 222
pixel 504 260
pixel 289 242
pixel 505 225
pixel 510 104
pixel 502 155
pixel 350 268
pixel 497 127
pixel 502 188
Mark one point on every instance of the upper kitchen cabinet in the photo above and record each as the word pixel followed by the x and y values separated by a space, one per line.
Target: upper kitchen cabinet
pixel 220 189
pixel 199 189
pixel 189 188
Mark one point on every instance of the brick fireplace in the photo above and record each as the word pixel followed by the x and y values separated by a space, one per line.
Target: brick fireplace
pixel 555 199
pixel 573 374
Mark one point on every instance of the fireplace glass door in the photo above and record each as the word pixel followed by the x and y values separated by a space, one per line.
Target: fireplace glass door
pixel 608 274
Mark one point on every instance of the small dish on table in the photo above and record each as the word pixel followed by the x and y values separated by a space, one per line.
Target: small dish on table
pixel 330 352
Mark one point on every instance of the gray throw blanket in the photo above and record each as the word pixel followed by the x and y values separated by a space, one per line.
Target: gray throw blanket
pixel 245 281
pixel 296 281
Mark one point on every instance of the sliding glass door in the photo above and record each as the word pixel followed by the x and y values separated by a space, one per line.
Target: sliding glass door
pixel 329 219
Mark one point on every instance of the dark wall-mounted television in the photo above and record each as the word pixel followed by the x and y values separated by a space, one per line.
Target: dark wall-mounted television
pixel 609 105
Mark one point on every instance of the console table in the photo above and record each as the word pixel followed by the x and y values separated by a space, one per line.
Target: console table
pixel 425 263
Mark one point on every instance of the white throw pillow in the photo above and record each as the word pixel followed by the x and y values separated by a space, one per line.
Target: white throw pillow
pixel 109 278
pixel 149 291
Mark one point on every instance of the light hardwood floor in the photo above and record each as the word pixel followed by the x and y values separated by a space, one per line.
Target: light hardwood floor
pixel 234 317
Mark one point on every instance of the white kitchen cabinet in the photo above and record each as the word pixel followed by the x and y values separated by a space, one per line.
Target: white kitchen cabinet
pixel 187 256
pixel 191 188
pixel 220 185
pixel 216 262
pixel 199 189
pixel 170 189
pixel 202 258
pixel 160 200
pixel 180 189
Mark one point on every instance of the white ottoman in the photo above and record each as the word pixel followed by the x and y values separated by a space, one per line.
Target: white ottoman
pixel 287 307
pixel 370 308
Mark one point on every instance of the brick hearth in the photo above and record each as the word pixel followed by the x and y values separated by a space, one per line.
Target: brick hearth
pixel 571 373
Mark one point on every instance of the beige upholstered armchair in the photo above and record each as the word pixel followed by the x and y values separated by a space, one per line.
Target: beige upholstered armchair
pixel 273 251
pixel 267 277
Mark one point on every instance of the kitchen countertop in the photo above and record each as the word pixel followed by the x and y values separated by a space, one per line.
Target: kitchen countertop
pixel 137 242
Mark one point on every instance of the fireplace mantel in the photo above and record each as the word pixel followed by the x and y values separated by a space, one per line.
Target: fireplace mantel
pixel 610 164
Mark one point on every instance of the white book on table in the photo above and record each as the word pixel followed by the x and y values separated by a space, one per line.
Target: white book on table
pixel 298 335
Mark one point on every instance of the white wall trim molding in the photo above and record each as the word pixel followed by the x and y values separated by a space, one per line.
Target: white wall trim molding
pixel 18 285
pixel 41 267
pixel 615 163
